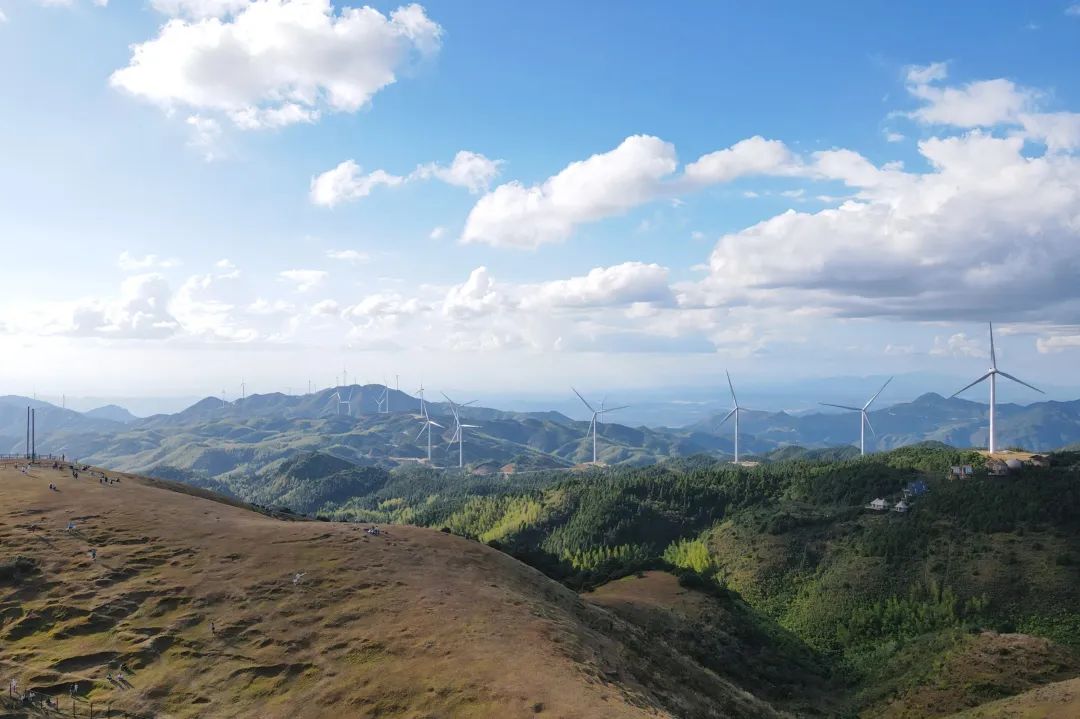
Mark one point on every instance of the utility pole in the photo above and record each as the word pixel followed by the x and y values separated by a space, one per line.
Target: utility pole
pixel 33 436
pixel 27 432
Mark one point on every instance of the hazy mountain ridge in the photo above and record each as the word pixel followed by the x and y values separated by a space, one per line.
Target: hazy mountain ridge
pixel 246 436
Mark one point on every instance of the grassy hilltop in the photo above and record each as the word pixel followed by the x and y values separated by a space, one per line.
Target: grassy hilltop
pixel 689 589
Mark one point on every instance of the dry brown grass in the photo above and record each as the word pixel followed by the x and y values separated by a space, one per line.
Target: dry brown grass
pixel 413 623
pixel 1060 700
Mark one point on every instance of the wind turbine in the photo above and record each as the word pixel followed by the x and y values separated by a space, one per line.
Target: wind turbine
pixel 426 427
pixel 734 411
pixel 423 407
pixel 346 402
pixel 597 417
pixel 383 401
pixel 864 418
pixel 458 427
pixel 992 374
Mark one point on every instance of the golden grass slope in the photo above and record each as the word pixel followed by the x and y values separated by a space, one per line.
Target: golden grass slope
pixel 1060 700
pixel 413 623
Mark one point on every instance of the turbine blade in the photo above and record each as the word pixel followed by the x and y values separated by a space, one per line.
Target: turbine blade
pixel 866 418
pixel 877 393
pixel 471 426
pixel 583 400
pixel 418 434
pixel 1014 379
pixel 732 388
pixel 972 384
pixel 840 406
pixel 431 421
pixel 613 409
pixel 726 417
pixel 993 355
pixel 453 409
pixel 466 404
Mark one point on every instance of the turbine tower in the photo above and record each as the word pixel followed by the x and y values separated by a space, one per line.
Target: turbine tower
pixel 864 418
pixel 458 429
pixel 426 427
pixel 992 374
pixel 383 401
pixel 597 418
pixel 346 402
pixel 734 411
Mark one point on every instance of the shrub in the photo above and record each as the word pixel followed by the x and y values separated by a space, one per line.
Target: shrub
pixel 13 570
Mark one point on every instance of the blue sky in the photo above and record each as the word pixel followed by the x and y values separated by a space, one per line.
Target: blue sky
pixel 893 177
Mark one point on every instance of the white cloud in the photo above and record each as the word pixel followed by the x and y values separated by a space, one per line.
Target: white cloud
pixel 303 280
pixel 753 156
pixel 347 182
pixel 987 231
pixel 141 312
pixel 470 170
pixel 606 184
pixel 893 136
pixel 131 263
pixel 353 256
pixel 624 284
pixel 199 9
pixel 959 345
pixel 989 103
pixel 255 118
pixel 476 296
pixel 1057 342
pixel 437 233
pixel 326 307
pixel 925 74
pixel 1073 10
pixel 3 17
pixel 269 63
pixel 1059 131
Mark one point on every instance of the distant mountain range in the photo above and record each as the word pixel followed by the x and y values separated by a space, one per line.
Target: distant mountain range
pixel 250 435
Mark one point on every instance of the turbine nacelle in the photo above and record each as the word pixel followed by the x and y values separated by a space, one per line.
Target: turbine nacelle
pixel 864 416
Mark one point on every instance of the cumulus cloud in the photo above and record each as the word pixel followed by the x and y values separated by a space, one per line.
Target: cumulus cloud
pixel 437 233
pixel 605 184
pixel 270 63
pixel 1058 342
pixel 199 9
pixel 987 231
pixel 989 103
pixel 641 169
pixel 476 296
pixel 959 345
pixel 303 280
pixel 470 170
pixel 326 307
pixel 347 181
pixel 141 312
pixel 629 283
pixel 753 156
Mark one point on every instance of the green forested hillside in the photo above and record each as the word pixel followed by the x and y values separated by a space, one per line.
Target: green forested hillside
pixel 877 596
